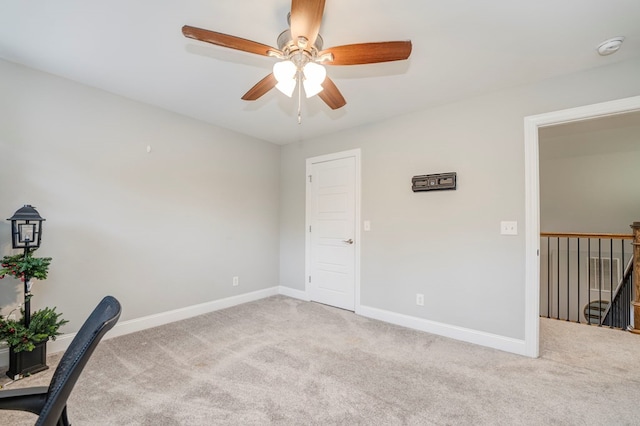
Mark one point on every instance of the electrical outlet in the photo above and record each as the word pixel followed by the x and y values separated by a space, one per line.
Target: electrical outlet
pixel 420 299
pixel 508 228
pixel 235 281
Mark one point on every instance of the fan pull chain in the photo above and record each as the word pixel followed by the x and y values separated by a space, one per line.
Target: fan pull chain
pixel 299 97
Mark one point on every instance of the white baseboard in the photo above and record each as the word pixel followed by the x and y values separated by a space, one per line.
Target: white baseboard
pixel 481 338
pixel 143 323
pixel 495 341
pixel 292 292
pixel 138 324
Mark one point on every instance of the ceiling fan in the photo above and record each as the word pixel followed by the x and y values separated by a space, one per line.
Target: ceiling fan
pixel 301 54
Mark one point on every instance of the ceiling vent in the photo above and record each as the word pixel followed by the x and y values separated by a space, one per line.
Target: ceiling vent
pixel 610 46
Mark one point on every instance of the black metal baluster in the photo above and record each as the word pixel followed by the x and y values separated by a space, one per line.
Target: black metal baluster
pixel 620 298
pixel 599 269
pixel 568 277
pixel 623 290
pixel 629 295
pixel 548 277
pixel 588 281
pixel 627 304
pixel 611 289
pixel 558 281
pixel 621 303
pixel 578 301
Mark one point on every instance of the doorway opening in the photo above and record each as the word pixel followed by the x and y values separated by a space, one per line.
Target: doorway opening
pixel 532 125
pixel 588 182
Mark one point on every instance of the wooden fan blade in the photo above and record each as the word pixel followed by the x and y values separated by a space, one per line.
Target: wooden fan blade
pixel 262 87
pixel 306 16
pixel 331 95
pixel 225 40
pixel 369 53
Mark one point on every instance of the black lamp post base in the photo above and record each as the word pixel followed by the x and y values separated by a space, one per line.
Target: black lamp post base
pixel 24 363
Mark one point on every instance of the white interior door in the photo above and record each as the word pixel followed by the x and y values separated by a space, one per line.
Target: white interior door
pixel 332 231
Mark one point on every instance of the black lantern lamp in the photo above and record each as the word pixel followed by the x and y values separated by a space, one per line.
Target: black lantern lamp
pixel 26 232
pixel 26 228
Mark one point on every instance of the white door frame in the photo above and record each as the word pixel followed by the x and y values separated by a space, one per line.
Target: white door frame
pixel 307 237
pixel 532 201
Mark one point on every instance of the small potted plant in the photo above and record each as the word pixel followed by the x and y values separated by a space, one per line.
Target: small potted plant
pixel 27 336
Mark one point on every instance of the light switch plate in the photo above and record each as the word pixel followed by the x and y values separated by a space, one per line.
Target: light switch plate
pixel 367 225
pixel 509 228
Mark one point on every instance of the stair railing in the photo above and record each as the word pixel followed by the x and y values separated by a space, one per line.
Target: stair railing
pixel 583 270
pixel 618 312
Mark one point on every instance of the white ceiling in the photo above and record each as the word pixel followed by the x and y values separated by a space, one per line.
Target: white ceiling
pixel 461 48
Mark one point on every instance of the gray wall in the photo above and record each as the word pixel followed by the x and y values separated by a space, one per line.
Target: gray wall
pixel 445 245
pixel 169 229
pixel 590 176
pixel 160 230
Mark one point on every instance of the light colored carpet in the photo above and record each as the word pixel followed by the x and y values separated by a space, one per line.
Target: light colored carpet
pixel 287 362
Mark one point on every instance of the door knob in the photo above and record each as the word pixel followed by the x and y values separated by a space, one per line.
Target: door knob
pixel 349 241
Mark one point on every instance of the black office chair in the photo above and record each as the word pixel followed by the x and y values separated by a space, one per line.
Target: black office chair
pixel 50 403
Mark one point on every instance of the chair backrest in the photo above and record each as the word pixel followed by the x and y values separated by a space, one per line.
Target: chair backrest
pixel 101 320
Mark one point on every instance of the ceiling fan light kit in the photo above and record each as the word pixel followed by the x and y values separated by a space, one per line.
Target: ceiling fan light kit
pixel 301 55
pixel 313 77
pixel 291 71
pixel 285 73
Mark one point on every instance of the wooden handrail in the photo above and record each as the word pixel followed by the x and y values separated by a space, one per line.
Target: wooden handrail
pixel 586 235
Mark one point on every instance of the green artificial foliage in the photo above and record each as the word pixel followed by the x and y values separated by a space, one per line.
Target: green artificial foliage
pixel 44 325
pixel 21 265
